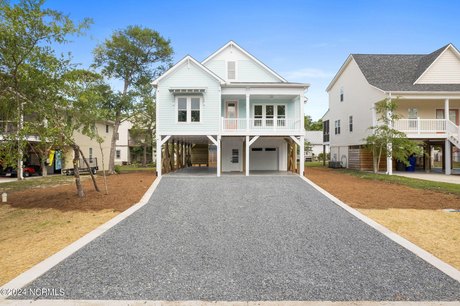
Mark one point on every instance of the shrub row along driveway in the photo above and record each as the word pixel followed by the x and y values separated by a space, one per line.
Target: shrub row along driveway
pixel 245 238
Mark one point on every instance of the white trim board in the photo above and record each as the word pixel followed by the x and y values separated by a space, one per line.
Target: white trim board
pixel 41 268
pixel 428 257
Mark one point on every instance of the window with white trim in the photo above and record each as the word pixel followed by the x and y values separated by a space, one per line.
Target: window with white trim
pixel 195 109
pixel 118 154
pixel 337 127
pixel 231 70
pixel 90 154
pixel 350 123
pixel 188 109
pixel 341 95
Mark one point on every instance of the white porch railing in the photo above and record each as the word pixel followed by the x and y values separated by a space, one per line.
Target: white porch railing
pixel 423 126
pixel 262 124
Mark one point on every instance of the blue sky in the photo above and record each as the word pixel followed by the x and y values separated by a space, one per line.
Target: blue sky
pixel 304 41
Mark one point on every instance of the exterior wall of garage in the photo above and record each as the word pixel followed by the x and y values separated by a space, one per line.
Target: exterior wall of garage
pixel 266 153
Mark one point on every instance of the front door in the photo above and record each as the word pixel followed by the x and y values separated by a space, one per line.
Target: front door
pixel 232 155
pixel 231 114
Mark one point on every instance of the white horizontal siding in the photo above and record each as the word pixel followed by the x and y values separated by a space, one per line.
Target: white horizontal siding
pixel 445 70
pixel 218 67
pixel 250 71
pixel 247 70
pixel 189 75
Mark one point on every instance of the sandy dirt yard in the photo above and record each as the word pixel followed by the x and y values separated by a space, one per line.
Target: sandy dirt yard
pixel 40 221
pixel 415 214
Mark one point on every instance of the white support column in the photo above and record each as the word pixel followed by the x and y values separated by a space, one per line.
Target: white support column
pixel 247 109
pixel 247 155
pixel 159 163
pixel 219 145
pixel 447 157
pixel 302 156
pixel 301 111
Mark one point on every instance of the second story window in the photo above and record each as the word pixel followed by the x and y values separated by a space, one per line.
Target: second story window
pixel 350 123
pixel 195 109
pixel 341 94
pixel 188 109
pixel 182 109
pixel 231 70
pixel 337 127
pixel 106 128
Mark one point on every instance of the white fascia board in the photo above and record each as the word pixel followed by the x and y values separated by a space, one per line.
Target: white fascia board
pixel 426 94
pixel 262 91
pixel 450 46
pixel 182 61
pixel 339 73
pixel 234 44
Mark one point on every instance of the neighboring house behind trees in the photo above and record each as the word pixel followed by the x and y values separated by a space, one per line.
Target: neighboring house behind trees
pixel 428 90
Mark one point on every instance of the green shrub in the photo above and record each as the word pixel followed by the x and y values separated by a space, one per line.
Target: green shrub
pixel 117 169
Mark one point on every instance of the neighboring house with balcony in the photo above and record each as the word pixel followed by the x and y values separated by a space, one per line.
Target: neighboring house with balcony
pixel 427 87
pixel 60 158
pixel 235 106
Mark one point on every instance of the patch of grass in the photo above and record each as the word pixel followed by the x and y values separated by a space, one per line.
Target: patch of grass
pixel 410 182
pixel 314 164
pixel 134 168
pixel 36 182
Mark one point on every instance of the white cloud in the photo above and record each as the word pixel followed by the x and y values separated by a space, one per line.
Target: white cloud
pixel 307 73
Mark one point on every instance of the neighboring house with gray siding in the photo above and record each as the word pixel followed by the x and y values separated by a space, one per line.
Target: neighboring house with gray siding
pixel 428 90
pixel 249 117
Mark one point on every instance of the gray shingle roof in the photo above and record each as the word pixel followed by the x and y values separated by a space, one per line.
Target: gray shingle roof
pixel 397 72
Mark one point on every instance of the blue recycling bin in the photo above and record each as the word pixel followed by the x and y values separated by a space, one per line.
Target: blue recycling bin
pixel 412 163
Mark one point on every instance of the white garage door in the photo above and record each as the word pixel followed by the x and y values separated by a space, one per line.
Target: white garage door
pixel 263 158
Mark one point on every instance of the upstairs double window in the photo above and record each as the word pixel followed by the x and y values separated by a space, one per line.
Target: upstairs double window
pixel 188 109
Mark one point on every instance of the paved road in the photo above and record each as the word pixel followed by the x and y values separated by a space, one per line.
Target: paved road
pixel 245 238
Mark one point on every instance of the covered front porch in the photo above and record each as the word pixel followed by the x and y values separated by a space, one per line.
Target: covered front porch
pixel 261 111
pixel 434 120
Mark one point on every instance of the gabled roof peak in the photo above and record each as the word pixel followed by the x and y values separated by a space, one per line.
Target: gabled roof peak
pixel 398 72
pixel 234 44
pixel 194 61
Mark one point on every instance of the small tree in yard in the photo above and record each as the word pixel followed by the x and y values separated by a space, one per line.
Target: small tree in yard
pixel 135 55
pixel 385 139
pixel 27 30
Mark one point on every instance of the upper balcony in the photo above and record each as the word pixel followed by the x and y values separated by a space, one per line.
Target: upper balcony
pixel 427 128
pixel 260 126
pixel 261 114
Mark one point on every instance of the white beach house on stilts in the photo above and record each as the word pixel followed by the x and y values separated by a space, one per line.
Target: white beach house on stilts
pixel 229 113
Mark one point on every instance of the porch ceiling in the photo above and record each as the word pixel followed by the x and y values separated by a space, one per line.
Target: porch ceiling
pixel 191 139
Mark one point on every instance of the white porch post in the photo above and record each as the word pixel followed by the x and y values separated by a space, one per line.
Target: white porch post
pixel 301 111
pixel 219 144
pixel 158 162
pixel 302 156
pixel 247 109
pixel 447 157
pixel 247 156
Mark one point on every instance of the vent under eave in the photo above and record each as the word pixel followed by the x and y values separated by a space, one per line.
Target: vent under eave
pixel 187 91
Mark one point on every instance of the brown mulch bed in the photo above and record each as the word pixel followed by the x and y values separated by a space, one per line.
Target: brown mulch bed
pixel 124 191
pixel 370 194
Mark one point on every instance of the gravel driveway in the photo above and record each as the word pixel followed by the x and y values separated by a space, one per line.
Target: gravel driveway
pixel 245 238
